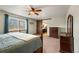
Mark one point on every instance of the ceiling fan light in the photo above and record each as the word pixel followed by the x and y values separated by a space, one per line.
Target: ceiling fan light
pixel 31 13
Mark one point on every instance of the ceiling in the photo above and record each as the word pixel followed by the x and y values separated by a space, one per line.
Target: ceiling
pixel 48 11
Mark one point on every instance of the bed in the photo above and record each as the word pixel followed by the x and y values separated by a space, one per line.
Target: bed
pixel 19 43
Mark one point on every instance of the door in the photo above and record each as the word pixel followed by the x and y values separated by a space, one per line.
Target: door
pixel 39 26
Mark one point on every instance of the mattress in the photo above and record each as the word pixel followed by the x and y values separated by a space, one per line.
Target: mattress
pixel 19 43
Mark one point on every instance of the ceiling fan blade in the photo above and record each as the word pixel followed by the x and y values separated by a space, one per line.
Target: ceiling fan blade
pixel 31 8
pixel 39 10
pixel 48 19
pixel 36 13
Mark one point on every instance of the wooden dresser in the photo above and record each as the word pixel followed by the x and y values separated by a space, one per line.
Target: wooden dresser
pixel 67 41
pixel 54 32
pixel 65 44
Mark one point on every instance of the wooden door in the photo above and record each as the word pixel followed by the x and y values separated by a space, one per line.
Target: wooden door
pixel 39 26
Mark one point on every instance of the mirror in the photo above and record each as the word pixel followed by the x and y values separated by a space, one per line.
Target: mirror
pixel 70 26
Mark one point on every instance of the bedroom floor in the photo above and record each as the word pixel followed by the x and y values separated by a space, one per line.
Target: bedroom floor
pixel 51 45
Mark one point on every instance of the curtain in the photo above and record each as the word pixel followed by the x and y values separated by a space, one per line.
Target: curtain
pixel 6 23
pixel 27 25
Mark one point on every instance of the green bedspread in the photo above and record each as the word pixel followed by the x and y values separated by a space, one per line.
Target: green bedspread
pixel 11 44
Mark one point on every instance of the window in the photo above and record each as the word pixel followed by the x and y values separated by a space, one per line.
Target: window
pixel 17 25
pixel 22 25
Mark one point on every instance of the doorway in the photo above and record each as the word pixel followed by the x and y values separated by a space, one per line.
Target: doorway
pixel 50 44
pixel 44 28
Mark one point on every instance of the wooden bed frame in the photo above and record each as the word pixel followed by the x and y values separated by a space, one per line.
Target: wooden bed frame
pixel 39 50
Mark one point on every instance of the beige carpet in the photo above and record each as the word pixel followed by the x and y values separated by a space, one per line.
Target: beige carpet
pixel 51 45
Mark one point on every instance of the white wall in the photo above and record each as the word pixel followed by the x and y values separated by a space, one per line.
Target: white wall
pixel 1 23
pixel 56 22
pixel 74 11
pixel 15 9
pixel 32 26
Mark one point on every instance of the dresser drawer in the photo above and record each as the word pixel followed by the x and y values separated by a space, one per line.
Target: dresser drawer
pixel 65 44
pixel 65 48
pixel 54 32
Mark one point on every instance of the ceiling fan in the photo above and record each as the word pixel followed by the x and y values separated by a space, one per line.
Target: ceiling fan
pixel 33 10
